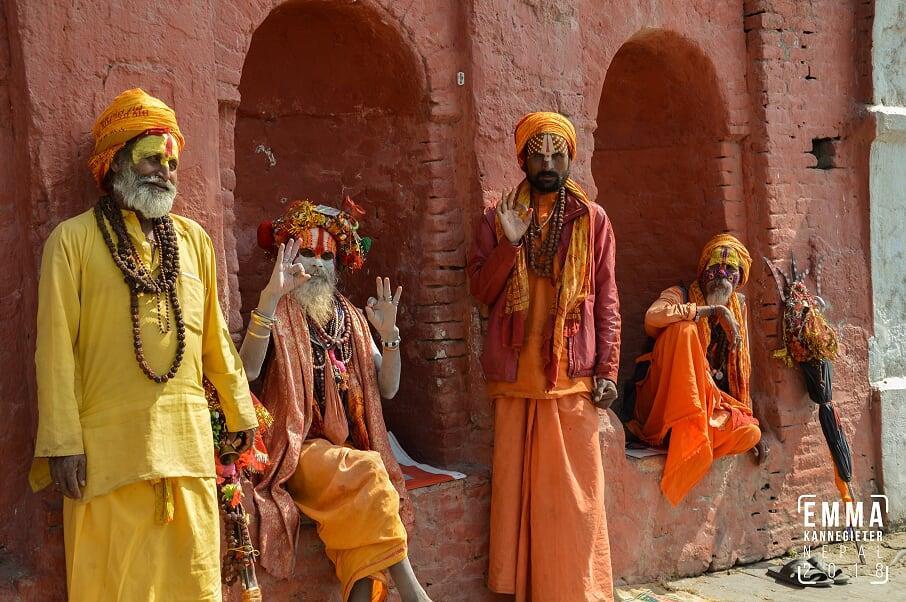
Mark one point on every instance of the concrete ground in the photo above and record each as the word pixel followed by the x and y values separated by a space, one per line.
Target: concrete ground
pixel 751 582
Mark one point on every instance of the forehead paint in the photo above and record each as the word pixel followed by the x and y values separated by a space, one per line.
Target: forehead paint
pixel 724 256
pixel 154 145
pixel 318 240
pixel 724 262
pixel 546 145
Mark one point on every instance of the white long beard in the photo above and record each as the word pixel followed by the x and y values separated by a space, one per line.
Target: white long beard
pixel 140 195
pixel 316 297
pixel 720 295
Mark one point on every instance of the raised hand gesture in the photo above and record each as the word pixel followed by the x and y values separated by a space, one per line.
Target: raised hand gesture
pixel 513 223
pixel 381 311
pixel 287 273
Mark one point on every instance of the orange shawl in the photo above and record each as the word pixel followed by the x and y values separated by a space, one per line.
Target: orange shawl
pixel 289 395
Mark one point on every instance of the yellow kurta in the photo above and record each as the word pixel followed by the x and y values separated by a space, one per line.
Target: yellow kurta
pixel 92 396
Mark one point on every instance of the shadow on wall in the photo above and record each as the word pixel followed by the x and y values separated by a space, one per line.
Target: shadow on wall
pixel 333 104
pixel 660 121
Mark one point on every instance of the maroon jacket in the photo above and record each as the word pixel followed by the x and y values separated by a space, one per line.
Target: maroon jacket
pixel 595 349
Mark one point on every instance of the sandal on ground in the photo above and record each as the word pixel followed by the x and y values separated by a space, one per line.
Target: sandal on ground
pixel 837 577
pixel 801 573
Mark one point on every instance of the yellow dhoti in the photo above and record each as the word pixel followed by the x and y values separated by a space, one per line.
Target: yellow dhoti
pixel 117 549
pixel 348 493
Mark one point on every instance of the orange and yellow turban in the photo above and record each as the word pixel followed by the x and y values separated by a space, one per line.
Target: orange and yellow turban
pixel 726 249
pixel 131 114
pixel 543 122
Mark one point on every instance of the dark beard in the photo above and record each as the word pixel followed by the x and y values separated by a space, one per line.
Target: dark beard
pixel 552 186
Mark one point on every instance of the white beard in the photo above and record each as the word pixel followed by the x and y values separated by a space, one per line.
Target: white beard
pixel 720 295
pixel 316 297
pixel 140 195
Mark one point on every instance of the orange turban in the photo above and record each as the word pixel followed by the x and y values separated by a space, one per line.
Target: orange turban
pixel 544 122
pixel 131 114
pixel 738 255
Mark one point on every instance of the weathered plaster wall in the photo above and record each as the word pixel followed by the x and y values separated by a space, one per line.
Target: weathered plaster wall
pixel 772 76
pixel 888 246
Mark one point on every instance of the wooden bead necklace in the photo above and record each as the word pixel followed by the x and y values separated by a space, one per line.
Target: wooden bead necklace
pixel 140 280
pixel 543 250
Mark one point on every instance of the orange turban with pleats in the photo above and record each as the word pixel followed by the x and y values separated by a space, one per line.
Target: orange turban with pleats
pixel 544 122
pixel 131 114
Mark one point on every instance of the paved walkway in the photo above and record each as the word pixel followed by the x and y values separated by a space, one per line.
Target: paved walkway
pixel 751 582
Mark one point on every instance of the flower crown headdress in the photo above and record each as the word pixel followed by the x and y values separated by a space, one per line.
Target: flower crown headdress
pixel 302 215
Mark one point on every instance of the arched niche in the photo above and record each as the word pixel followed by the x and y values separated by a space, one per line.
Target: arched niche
pixel 333 103
pixel 660 150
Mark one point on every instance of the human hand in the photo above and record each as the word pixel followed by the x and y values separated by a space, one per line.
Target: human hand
pixel 381 311
pixel 604 394
pixel 514 225
pixel 287 273
pixel 68 474
pixel 241 440
pixel 728 323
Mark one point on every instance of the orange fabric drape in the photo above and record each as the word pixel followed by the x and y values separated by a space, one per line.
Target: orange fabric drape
pixel 548 525
pixel 350 497
pixel 680 397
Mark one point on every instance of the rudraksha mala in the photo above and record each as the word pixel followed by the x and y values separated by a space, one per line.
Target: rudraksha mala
pixel 139 279
pixel 541 253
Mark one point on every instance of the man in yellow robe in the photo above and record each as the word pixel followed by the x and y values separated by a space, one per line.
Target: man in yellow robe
pixel 697 386
pixel 128 325
pixel 543 261
pixel 323 384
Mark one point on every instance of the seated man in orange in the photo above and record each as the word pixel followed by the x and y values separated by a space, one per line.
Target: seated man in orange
pixel 697 387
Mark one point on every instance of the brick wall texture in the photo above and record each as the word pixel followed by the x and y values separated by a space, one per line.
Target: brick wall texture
pixel 693 117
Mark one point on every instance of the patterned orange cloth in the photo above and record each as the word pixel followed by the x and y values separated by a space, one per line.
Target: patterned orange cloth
pixel 131 114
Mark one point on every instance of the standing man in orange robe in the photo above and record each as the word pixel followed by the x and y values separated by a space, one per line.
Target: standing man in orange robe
pixel 543 261
pixel 697 386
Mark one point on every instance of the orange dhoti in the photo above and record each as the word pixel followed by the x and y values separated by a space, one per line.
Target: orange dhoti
pixel 548 526
pixel 348 493
pixel 679 396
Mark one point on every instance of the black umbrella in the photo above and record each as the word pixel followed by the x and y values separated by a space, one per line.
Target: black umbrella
pixel 818 381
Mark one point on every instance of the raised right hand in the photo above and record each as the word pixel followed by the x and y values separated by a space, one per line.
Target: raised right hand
pixel 287 273
pixel 68 474
pixel 514 225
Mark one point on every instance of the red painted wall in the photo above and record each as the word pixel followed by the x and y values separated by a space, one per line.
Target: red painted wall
pixel 693 116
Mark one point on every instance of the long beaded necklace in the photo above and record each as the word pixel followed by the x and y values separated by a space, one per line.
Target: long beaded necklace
pixel 140 280
pixel 332 345
pixel 542 251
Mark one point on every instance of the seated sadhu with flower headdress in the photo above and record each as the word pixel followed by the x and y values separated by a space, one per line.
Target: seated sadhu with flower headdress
pixel 323 382
pixel 697 386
